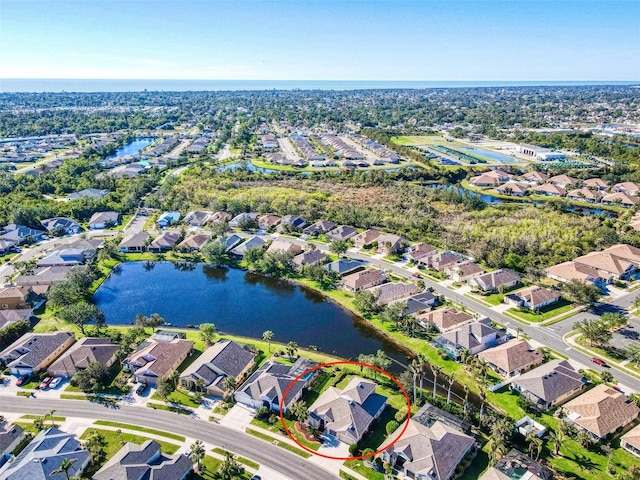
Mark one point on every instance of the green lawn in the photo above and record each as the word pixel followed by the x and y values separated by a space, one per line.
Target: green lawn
pixel 246 461
pixel 358 466
pixel 178 396
pixel 291 426
pixel 550 311
pixel 161 433
pixel 280 443
pixel 169 408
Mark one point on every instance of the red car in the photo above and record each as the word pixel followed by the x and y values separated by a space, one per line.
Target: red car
pixel 597 361
pixel 417 275
pixel 22 380
pixel 45 383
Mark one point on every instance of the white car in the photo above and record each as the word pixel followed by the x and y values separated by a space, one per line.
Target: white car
pixel 55 382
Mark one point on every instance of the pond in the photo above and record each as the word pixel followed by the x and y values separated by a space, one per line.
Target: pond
pixel 238 302
pixel 132 148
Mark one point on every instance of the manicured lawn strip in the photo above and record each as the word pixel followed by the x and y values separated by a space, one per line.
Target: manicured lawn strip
pixel 27 427
pixel 358 466
pixel 169 408
pixel 66 396
pixel 161 433
pixel 291 426
pixel 114 439
pixel 546 313
pixel 178 396
pixel 246 461
pixel 23 394
pixel 629 368
pixel 280 444
pixel 49 419
pixel 346 476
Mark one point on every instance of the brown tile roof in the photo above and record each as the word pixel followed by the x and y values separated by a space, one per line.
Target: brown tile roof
pixel 573 271
pixel 606 261
pixel 514 355
pixel 164 355
pixel 85 351
pixel 595 183
pixel 268 220
pixel 584 194
pixel 536 176
pixel 367 237
pixel 620 197
pixel 549 188
pixel 632 437
pixel 360 279
pixel 602 410
pixel 535 295
pixel 445 318
pixel 280 245
pixel 195 241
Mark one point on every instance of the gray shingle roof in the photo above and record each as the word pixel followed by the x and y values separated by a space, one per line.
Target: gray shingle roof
pixel 550 381
pixel 87 350
pixel 33 348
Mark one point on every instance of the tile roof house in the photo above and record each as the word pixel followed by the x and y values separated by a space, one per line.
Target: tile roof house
pixel 44 455
pixel 516 189
pixel 197 218
pixel 100 220
pixel 134 243
pixel 441 260
pixel 12 298
pixel 219 217
pixel 318 228
pixel 550 190
pixel 284 246
pixel 342 233
pixel 600 411
pixel 473 337
pixel 420 250
pixel 549 385
pixel 347 414
pixel 252 242
pixel 512 357
pixel 194 242
pixel 145 462
pixel 61 225
pixel 630 188
pixel 154 360
pixel 462 272
pixel 310 257
pixel 490 179
pixel 535 177
pixel 618 261
pixel 419 303
pixel 164 242
pixel 34 352
pixel 268 220
pixel 344 266
pixel 267 385
pixel 427 451
pixel 445 319
pixel 568 271
pixel 366 238
pixel 391 292
pixel 492 281
pixel 533 297
pixel 630 441
pixel 363 279
pixel 596 184
pixel 85 351
pixel 562 180
pixel 585 195
pixel 221 360
pixel 389 243
pixel 620 198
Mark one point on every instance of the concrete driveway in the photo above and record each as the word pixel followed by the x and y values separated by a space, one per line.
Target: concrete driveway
pixel 238 418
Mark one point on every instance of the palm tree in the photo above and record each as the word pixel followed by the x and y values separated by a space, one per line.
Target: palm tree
pixel 197 453
pixel 535 444
pixel 199 385
pixel 519 331
pixel 435 370
pixel 38 423
pixel 267 336
pixel 466 399
pixel 230 383
pixel 414 368
pixel 450 379
pixel 292 348
pixel 64 467
pixel 483 398
pixel 557 439
pixel 498 449
pixel 174 377
pixel 50 416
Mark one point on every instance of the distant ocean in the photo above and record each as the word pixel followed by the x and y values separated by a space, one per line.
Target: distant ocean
pixel 84 85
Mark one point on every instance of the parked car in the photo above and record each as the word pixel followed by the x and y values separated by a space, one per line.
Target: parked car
pixel 55 382
pixel 416 275
pixel 255 477
pixel 22 380
pixel 45 383
pixel 597 361
pixel 140 389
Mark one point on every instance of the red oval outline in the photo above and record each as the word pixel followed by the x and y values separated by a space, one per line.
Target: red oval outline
pixel 345 362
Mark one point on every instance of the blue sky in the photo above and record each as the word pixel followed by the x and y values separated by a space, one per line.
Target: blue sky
pixel 324 39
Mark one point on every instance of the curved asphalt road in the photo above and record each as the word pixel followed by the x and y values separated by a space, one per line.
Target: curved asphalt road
pixel 246 445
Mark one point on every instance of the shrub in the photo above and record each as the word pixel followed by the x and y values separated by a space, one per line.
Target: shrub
pixel 353 449
pixel 401 415
pixel 392 426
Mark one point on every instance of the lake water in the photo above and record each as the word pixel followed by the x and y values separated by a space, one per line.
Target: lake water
pixel 486 153
pixel 238 302
pixel 132 148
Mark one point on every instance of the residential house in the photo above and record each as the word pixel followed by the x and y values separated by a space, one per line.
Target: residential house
pixel 445 319
pixel 10 438
pixel 512 358
pixel 318 228
pixel 549 385
pixel 12 298
pixel 462 272
pixel 63 257
pixel 421 250
pixel 473 337
pixel 155 360
pixel 600 411
pixel 45 454
pixel 389 243
pixel 349 413
pixel 61 226
pixel 243 219
pixel 366 238
pixel 164 242
pixel 89 247
pixel 6 246
pixel 310 257
pixel 44 276
pixel 342 233
pixel 295 222
pixel 8 317
pixel 284 246
pixel 620 198
pixel 533 297
pixel 630 188
pixel 567 271
pixel 492 178
pixel 630 441
pixel 391 292
pixel 419 303
pixel 515 465
pixel 619 261
pixel 143 462
pixel 563 181
pixel 197 218
pixel 134 243
pixel 584 195
pixel 231 241
pixel 535 177
pixel 430 450
pixel 517 189
pixel 85 351
pixel 493 281
pixel 34 352
pixel 219 217
pixel 194 242
pixel 345 266
pixel 222 360
pixel 253 242
pixel 89 193
pixel 101 220
pixel 19 234
pixel 267 221
pixel 550 190
pixel 441 261
pixel 168 218
pixel 364 279
pixel 596 184
pixel 267 385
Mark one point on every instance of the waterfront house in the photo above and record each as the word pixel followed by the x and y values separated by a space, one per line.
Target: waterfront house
pixel 563 181
pixel 533 297
pixel 493 281
pixel 445 319
pixel 473 337
pixel 429 450
pixel 134 243
pixel 62 257
pixel 550 190
pixel 630 188
pixel 584 195
pixel 366 238
pixel 600 411
pixel 34 352
pixel 231 241
pixel 596 184
pixel 516 189
pixel 512 357
pixel 284 246
pixel 43 276
pixel 318 228
pixel 310 257
pixel 630 441
pixel 620 198
pixel 85 351
pixel 345 266
pixel 101 220
pixel 146 461
pixel 364 279
pixel 155 360
pixel 194 242
pixel 390 292
pixel 349 413
pixel 549 385
pixel 418 303
pixel 222 360
pixel 168 218
pixel 342 233
pixel 251 243
pixel 164 242
pixel 492 178
pixel 535 177
pixel 61 226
